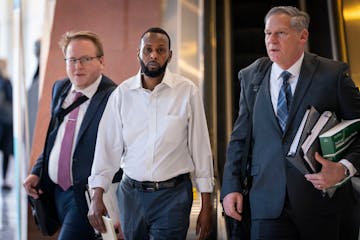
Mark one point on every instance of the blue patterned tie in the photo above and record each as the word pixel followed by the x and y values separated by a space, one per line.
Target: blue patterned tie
pixel 284 100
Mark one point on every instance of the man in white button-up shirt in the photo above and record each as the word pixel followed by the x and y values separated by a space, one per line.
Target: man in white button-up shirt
pixel 154 126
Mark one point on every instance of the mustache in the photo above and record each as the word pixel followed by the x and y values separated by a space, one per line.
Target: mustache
pixel 154 73
pixel 153 62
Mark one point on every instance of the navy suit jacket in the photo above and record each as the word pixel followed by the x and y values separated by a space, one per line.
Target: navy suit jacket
pixel 84 144
pixel 324 84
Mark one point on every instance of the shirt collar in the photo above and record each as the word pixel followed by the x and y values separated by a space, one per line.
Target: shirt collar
pixel 168 80
pixel 294 69
pixel 90 90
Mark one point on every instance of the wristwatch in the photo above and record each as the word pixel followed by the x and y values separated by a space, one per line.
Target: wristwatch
pixel 347 171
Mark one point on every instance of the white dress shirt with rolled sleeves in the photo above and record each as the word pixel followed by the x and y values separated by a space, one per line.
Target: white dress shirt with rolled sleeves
pixel 154 135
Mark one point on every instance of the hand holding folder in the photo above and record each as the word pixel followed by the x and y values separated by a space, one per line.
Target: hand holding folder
pixel 295 155
pixel 110 230
pixel 306 142
pixel 311 144
pixel 111 220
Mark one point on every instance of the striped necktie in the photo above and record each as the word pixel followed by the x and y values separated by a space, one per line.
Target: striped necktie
pixel 284 100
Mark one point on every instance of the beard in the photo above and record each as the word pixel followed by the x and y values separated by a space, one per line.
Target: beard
pixel 152 73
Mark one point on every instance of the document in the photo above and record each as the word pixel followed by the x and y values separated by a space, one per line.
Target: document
pixel 307 141
pixel 110 201
pixel 295 143
pixel 311 144
pixel 295 154
pixel 110 230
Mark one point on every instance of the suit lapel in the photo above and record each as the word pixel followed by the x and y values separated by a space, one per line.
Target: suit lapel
pixel 270 107
pixel 308 68
pixel 264 100
pixel 306 74
pixel 61 98
pixel 92 109
pixel 60 94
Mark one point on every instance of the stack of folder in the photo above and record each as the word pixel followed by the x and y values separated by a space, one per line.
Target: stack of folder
pixel 324 134
pixel 306 141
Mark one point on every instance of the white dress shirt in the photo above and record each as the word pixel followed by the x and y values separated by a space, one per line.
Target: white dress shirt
pixel 55 151
pixel 154 135
pixel 276 81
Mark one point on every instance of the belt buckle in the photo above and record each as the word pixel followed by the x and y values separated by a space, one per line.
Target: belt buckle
pixel 154 188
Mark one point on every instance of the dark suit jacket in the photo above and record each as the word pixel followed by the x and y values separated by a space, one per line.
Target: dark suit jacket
pixel 324 84
pixel 85 142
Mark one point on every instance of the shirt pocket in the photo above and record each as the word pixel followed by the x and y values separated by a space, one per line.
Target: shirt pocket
pixel 175 128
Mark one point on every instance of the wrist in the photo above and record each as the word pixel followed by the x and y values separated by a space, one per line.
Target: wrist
pixel 96 193
pixel 346 171
pixel 206 200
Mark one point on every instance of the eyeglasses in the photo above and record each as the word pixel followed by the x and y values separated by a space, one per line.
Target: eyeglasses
pixel 82 60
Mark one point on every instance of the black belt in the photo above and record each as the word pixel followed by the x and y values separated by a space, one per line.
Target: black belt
pixel 155 186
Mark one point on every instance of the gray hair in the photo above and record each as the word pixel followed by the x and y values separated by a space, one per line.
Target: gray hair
pixel 299 20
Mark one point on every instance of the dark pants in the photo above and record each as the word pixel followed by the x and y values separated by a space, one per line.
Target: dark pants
pixel 74 224
pixel 309 227
pixel 155 215
pixel 6 147
pixel 6 158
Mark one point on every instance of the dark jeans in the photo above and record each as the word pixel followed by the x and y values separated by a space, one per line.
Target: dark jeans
pixel 162 214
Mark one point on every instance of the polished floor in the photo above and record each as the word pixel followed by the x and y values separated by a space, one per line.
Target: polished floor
pixel 8 209
pixel 8 215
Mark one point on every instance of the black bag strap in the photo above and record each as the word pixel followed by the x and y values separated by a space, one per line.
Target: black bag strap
pixel 63 112
pixel 246 163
